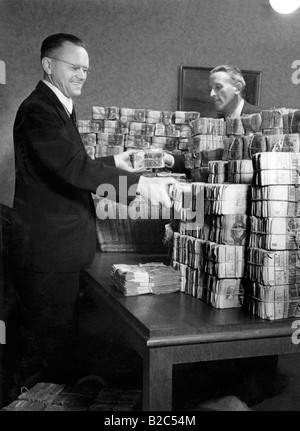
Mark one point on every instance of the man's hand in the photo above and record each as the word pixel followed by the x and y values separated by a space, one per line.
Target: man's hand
pixel 154 191
pixel 123 161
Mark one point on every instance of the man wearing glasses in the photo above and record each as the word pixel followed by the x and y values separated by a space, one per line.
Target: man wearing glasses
pixel 53 222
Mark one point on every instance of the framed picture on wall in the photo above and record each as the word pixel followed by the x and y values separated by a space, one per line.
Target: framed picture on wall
pixel 193 91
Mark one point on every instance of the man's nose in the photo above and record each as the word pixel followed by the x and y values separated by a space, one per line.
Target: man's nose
pixel 212 93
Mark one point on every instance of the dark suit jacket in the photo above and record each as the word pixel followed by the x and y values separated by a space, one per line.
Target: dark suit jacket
pixel 250 109
pixel 53 221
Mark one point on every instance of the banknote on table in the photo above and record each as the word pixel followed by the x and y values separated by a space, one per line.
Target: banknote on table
pixel 152 277
pixel 272 268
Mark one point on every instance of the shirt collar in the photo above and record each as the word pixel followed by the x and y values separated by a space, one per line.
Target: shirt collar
pixel 238 112
pixel 67 102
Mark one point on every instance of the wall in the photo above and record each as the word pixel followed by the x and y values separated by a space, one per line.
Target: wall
pixel 136 47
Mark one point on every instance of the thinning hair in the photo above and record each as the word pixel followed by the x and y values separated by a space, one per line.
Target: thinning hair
pixel 234 73
pixel 56 41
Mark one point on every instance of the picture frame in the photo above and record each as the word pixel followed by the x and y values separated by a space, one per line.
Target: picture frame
pixel 193 89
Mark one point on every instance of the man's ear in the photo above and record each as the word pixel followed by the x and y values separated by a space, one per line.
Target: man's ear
pixel 238 87
pixel 46 65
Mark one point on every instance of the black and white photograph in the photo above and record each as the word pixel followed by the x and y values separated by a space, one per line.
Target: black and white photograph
pixel 149 208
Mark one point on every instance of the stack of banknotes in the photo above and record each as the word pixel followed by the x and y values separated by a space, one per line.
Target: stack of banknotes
pixel 273 302
pixel 155 278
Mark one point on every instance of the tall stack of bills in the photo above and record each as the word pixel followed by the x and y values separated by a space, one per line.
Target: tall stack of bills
pixel 273 265
pixel 211 259
pixel 206 145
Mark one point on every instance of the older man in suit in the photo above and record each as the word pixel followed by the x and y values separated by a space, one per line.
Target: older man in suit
pixel 53 222
pixel 226 85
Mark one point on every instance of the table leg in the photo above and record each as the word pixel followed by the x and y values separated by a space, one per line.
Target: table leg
pixel 157 381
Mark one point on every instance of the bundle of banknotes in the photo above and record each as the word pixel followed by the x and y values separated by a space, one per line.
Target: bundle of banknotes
pixel 151 158
pixel 273 268
pixel 219 293
pixel 240 172
pixel 227 198
pixel 152 277
pixel 273 302
pixel 275 233
pixel 208 126
pixel 276 168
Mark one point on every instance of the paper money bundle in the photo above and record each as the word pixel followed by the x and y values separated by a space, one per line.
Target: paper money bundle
pixel 273 302
pixel 218 172
pixel 185 117
pixel 275 233
pixel 105 113
pixel 276 168
pixel 231 229
pixel 170 130
pixel 138 141
pixel 240 171
pixel 152 277
pixel 275 201
pixel 153 158
pixel 133 115
pixel 158 116
pixel 227 198
pixel 208 126
pixel 234 126
pixel 165 143
pixel 273 268
pixel 251 123
pixel 144 129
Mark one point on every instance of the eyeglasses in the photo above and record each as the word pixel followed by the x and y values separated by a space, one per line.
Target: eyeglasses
pixel 75 67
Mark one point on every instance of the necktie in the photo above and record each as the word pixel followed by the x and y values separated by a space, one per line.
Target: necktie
pixel 73 117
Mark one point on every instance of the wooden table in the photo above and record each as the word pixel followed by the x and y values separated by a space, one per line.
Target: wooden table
pixel 177 328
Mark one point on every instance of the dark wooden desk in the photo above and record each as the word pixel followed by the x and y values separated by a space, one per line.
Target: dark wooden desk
pixel 177 328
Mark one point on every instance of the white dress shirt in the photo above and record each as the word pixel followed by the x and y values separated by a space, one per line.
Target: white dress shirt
pixel 67 102
pixel 238 112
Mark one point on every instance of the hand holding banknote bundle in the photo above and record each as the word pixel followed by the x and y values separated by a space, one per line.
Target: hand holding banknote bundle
pixel 152 190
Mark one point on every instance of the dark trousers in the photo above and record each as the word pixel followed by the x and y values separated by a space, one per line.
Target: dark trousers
pixel 47 308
